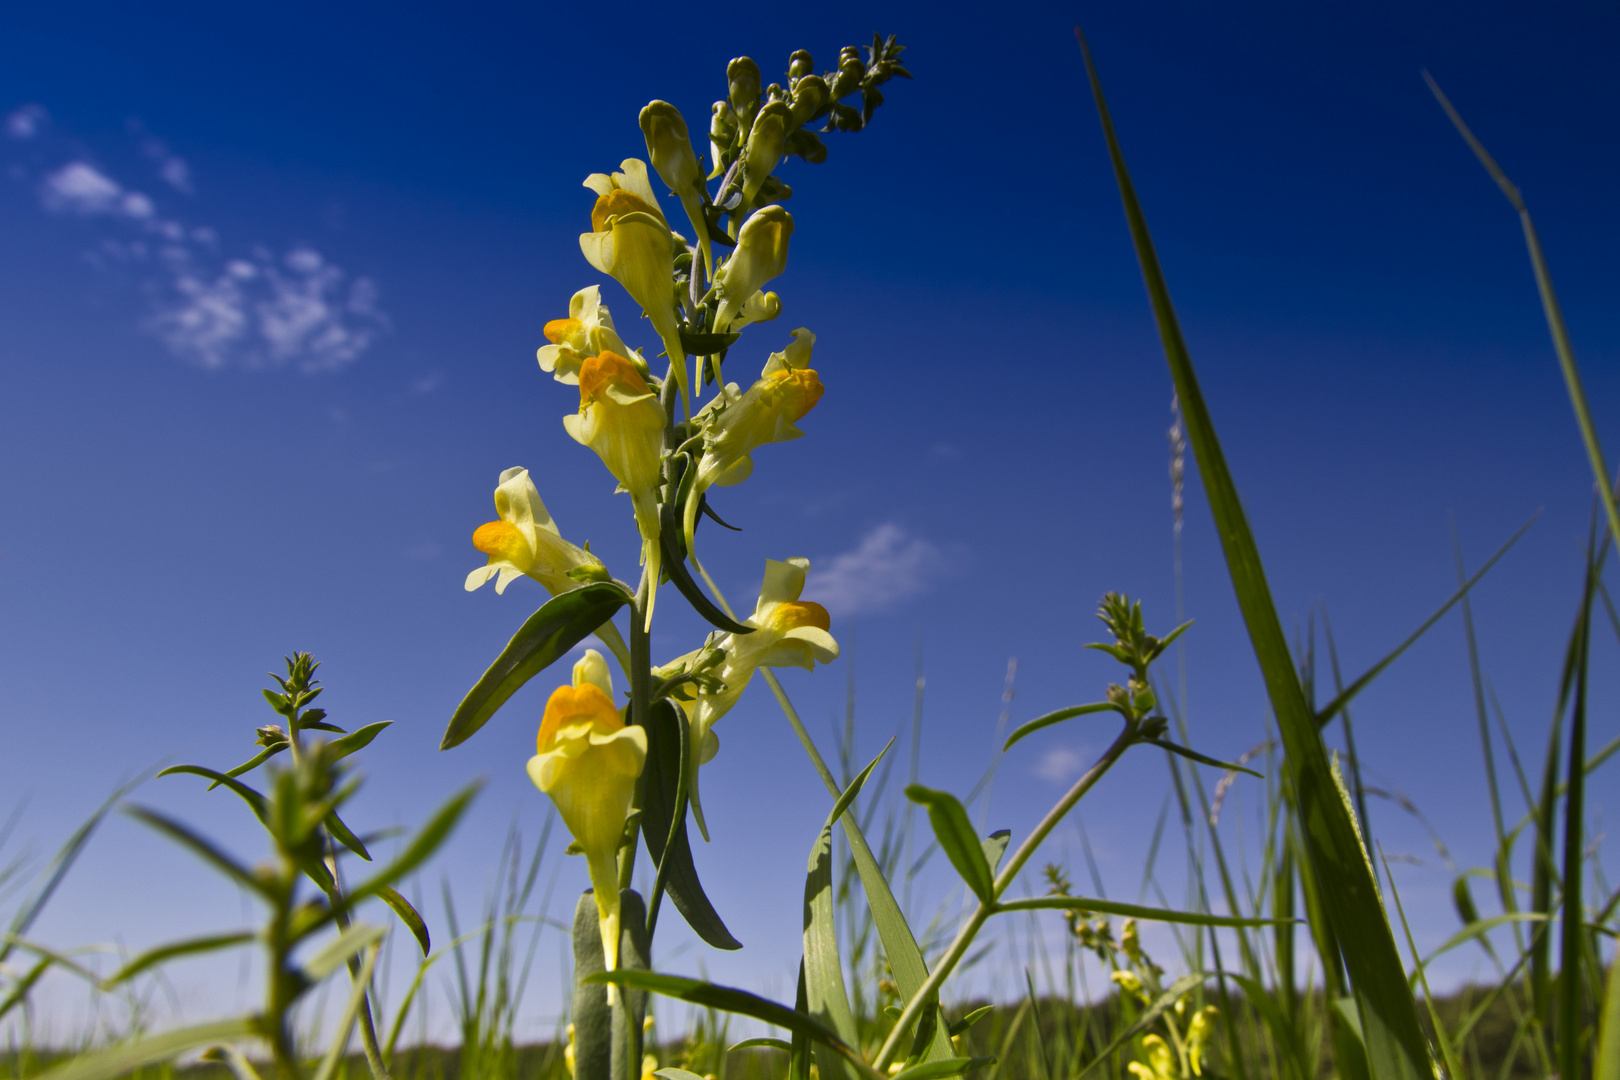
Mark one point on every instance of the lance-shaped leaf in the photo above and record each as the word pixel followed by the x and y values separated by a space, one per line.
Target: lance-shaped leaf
pixel 1396 1046
pixel 164 953
pixel 938 1070
pixel 1132 911
pixel 665 739
pixel 205 849
pixel 1025 730
pixel 122 1060
pixel 407 915
pixel 825 996
pixel 729 999
pixel 957 838
pixel 675 565
pixel 1202 759
pixel 560 624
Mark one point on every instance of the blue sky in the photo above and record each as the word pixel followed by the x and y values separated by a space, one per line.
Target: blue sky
pixel 272 283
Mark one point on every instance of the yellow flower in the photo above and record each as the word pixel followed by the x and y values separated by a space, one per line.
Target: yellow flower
pixel 1130 941
pixel 588 761
pixel 762 250
pixel 631 241
pixel 669 145
pixel 587 331
pixel 620 418
pixel 1159 1061
pixel 1129 983
pixel 772 125
pixel 789 632
pixel 1198 1036
pixel 525 540
pixel 738 423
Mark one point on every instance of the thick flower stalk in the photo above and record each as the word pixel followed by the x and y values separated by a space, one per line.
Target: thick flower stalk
pixel 762 250
pixel 586 331
pixel 524 541
pixel 620 418
pixel 631 241
pixel 588 760
pixel 789 632
pixel 739 422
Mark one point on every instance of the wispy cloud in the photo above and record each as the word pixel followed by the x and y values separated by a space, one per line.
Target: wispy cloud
pixel 253 308
pixel 889 565
pixel 1059 765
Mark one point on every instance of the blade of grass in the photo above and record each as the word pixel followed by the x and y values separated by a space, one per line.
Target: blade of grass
pixel 1395 1043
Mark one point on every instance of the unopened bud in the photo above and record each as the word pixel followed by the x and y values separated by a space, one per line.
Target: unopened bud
pixel 670 147
pixel 722 133
pixel 800 65
pixel 809 96
pixel 765 143
pixel 742 75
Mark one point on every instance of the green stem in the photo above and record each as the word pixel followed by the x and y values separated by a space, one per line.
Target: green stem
pixel 640 704
pixel 964 937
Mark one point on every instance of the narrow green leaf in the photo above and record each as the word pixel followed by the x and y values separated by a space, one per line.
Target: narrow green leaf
pixel 407 915
pixel 592 1016
pixel 1024 730
pixel 118 1061
pixel 1608 1037
pixel 1149 1017
pixel 662 776
pixel 747 1044
pixel 164 953
pixel 1334 707
pixel 338 749
pixel 670 1072
pixel 201 847
pixel 1285 1035
pixel 936 1070
pixel 826 998
pixel 338 951
pixel 343 835
pixel 560 624
pixel 706 344
pixel 961 1026
pixel 956 837
pixel 1132 911
pixel 423 844
pixel 251 763
pixel 728 999
pixel 255 800
pixel 23 986
pixel 351 1011
pixel 994 847
pixel 1479 929
pixel 1193 755
pixel 675 564
pixel 1396 1046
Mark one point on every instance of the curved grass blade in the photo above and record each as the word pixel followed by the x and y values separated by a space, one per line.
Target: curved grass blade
pixel 117 1061
pixel 1396 1046
pixel 164 953
pixel 730 999
pixel 936 1070
pixel 1478 929
pixel 1334 707
pixel 1025 730
pixel 665 737
pixel 1264 1002
pixel 561 623
pixel 203 848
pixel 1134 911
pixel 955 833
pixel 338 951
pixel 251 796
pixel 407 915
pixel 747 1044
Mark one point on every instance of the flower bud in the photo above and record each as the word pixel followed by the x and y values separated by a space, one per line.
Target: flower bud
pixel 765 144
pixel 742 75
pixel 722 133
pixel 761 254
pixel 670 147
pixel 850 72
pixel 800 65
pixel 809 95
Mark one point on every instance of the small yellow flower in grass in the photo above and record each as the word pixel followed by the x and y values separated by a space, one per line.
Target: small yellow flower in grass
pixel 587 759
pixel 1160 1062
pixel 789 633
pixel 738 423
pixel 586 331
pixel 1130 941
pixel 761 254
pixel 620 418
pixel 1198 1036
pixel 1129 983
pixel 631 241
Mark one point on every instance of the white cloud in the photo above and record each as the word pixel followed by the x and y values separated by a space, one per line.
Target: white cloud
pixel 1059 764
pixel 888 566
pixel 26 122
pixel 209 308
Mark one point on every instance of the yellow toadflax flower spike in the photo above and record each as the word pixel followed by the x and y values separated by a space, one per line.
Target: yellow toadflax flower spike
pixel 631 241
pixel 588 761
pixel 620 418
pixel 586 331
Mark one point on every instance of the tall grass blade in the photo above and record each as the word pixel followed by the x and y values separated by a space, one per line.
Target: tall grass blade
pixel 1549 307
pixel 122 1060
pixel 1396 1047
